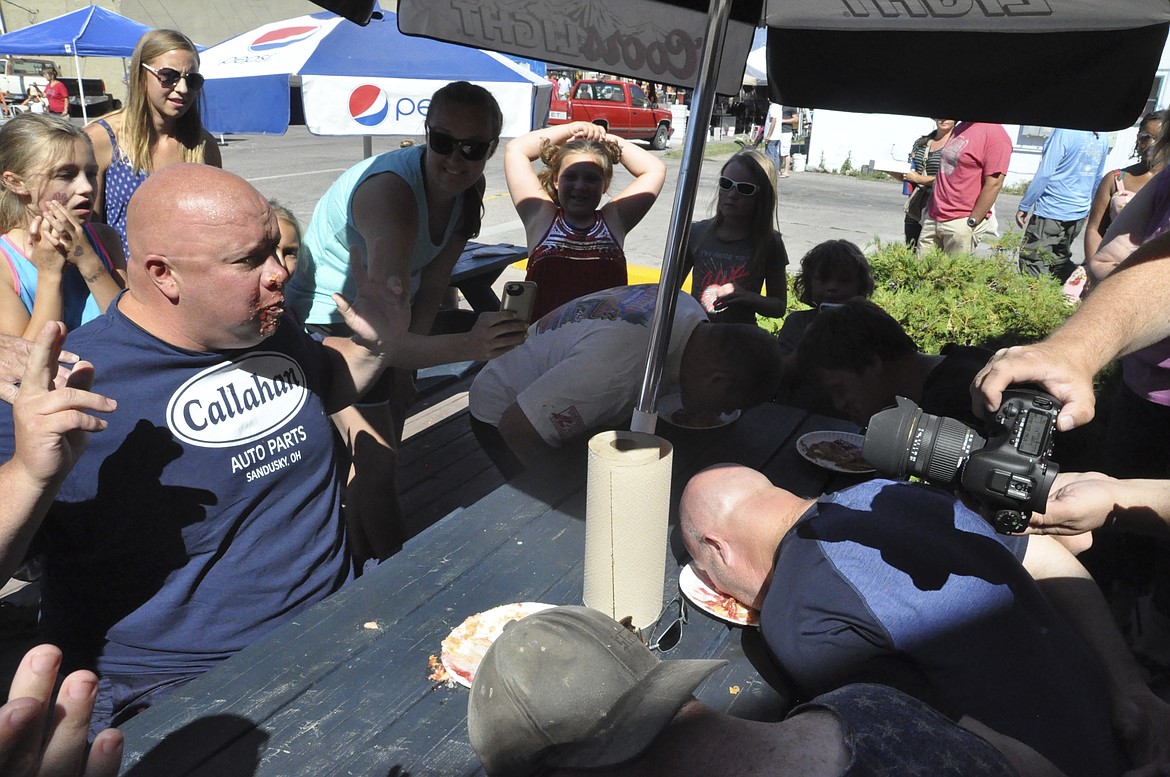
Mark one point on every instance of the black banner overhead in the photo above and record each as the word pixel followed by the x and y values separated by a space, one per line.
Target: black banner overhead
pixel 643 39
pixel 1069 79
pixel 1059 63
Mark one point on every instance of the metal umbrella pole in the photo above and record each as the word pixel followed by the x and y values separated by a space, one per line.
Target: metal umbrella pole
pixel 702 102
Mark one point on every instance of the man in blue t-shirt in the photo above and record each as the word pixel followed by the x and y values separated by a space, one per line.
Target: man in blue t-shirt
pixel 900 584
pixel 1059 199
pixel 207 513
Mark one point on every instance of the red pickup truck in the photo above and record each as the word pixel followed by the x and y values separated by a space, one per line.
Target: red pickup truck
pixel 619 106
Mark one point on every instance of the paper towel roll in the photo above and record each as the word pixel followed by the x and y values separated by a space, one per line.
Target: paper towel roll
pixel 627 506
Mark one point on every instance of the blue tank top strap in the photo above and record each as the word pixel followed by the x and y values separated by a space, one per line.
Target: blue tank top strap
pixel 109 131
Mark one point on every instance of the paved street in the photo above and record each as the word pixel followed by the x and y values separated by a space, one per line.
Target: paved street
pixel 296 168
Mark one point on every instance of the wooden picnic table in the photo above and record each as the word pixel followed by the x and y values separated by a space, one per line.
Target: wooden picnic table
pixel 344 688
pixel 478 267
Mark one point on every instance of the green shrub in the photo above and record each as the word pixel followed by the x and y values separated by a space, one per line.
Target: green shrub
pixel 1019 189
pixel 942 299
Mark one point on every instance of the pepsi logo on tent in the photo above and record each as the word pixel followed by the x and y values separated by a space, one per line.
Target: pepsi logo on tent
pixel 284 36
pixel 368 105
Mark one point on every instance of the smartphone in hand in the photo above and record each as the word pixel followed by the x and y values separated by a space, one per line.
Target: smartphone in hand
pixel 520 297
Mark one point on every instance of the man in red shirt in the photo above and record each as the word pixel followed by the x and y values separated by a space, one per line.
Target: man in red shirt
pixel 56 94
pixel 971 172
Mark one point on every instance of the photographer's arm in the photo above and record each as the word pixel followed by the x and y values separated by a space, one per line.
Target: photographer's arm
pixel 1083 501
pixel 1140 717
pixel 1108 324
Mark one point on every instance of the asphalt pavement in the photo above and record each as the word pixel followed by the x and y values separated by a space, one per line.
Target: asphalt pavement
pixel 298 167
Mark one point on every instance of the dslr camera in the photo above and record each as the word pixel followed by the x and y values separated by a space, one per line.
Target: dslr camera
pixel 1009 471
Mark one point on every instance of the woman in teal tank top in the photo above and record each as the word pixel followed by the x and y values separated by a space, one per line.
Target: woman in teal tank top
pixel 407 213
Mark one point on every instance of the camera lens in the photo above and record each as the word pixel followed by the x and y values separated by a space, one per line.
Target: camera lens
pixel 903 441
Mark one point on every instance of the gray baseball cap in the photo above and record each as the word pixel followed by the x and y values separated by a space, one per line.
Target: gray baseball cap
pixel 570 687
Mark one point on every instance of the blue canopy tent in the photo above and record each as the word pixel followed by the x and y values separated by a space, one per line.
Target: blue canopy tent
pixel 370 80
pixel 92 31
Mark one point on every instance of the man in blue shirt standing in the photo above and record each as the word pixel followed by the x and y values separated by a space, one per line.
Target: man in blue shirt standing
pixel 1059 198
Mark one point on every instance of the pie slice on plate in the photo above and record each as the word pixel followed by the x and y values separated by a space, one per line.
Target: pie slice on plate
pixel 468 642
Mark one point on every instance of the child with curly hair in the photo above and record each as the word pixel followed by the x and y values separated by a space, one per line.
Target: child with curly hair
pixel 830 273
pixel 575 247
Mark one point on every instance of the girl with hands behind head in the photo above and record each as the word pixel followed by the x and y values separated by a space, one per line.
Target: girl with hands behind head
pixel 575 247
pixel 60 266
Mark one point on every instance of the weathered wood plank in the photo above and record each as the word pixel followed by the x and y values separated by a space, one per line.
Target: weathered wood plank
pixel 392 668
pixel 319 641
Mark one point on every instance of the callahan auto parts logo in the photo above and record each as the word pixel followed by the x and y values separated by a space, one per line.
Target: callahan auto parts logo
pixel 368 105
pixel 238 402
pixel 946 9
pixel 284 36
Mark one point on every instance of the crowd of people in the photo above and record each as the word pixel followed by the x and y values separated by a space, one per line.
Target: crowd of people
pixel 252 377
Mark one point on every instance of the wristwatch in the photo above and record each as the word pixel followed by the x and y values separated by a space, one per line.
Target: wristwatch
pixel 972 222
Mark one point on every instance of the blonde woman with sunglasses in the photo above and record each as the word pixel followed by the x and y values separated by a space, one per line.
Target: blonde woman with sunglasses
pixel 159 126
pixel 739 251
pixel 409 213
pixel 575 246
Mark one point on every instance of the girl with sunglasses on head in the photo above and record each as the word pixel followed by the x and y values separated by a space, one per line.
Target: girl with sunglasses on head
pixel 59 266
pixel 735 254
pixel 159 126
pixel 408 213
pixel 574 248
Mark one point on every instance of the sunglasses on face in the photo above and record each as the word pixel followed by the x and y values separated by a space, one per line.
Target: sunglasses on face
pixel 743 187
pixel 443 144
pixel 169 78
pixel 1145 137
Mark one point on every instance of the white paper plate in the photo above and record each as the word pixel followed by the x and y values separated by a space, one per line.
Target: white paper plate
pixel 468 642
pixel 711 601
pixel 670 409
pixel 805 447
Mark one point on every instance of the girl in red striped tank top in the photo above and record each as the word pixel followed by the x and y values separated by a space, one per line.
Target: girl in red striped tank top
pixel 575 247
